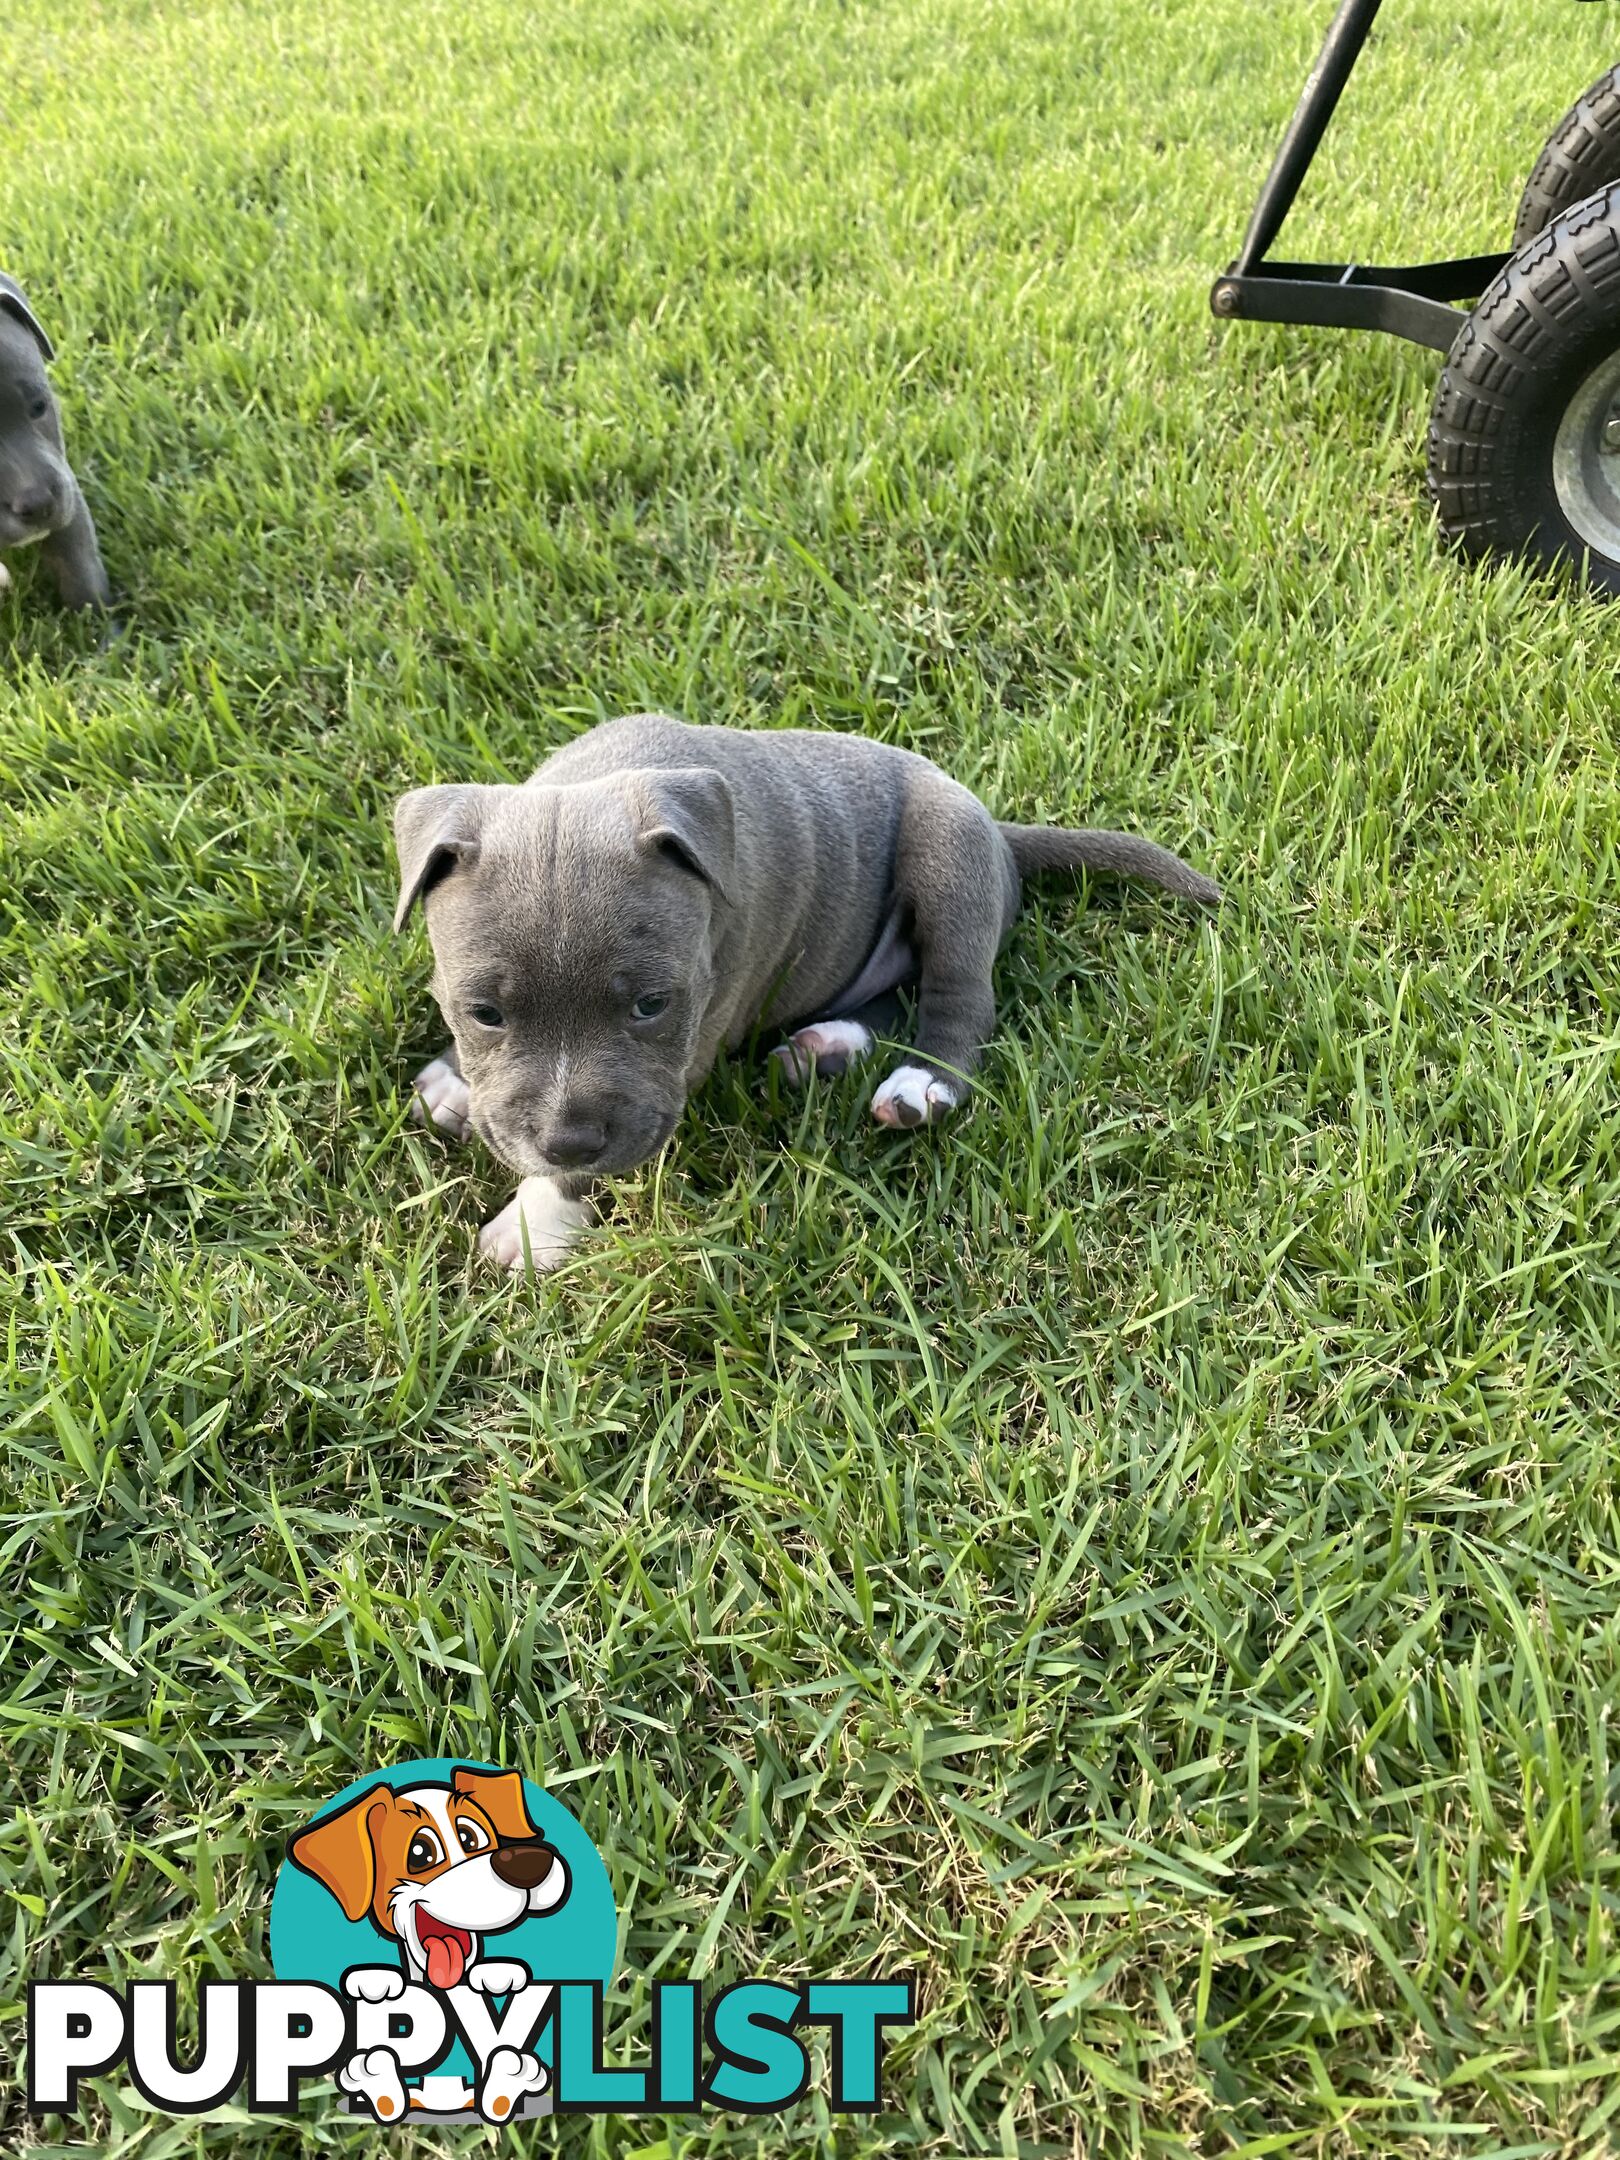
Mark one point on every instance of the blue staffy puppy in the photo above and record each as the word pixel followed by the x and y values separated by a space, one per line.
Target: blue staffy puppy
pixel 40 502
pixel 656 891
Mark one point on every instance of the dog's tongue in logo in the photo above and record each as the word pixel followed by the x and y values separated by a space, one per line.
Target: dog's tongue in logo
pixel 446 1950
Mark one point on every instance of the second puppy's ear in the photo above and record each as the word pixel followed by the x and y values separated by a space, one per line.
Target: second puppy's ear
pixel 12 301
pixel 435 829
pixel 690 814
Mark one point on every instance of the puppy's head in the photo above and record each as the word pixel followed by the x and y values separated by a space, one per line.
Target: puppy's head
pixel 436 1867
pixel 573 930
pixel 36 487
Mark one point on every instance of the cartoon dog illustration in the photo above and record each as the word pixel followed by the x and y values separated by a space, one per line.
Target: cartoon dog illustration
pixel 437 1868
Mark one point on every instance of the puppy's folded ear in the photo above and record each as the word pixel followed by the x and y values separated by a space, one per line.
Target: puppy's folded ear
pixel 691 815
pixel 340 1850
pixel 12 301
pixel 500 1794
pixel 435 828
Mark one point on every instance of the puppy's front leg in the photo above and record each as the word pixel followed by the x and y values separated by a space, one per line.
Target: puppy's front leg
pixel 537 1226
pixel 75 561
pixel 442 1096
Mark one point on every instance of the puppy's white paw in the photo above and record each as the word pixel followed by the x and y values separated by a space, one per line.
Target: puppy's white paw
pixel 497 1976
pixel 827 1048
pixel 374 2075
pixel 374 1983
pixel 552 1223
pixel 911 1096
pixel 508 2077
pixel 443 1098
pixel 5 577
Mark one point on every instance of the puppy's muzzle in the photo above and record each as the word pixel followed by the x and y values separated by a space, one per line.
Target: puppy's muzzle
pixel 603 1142
pixel 33 508
pixel 525 1866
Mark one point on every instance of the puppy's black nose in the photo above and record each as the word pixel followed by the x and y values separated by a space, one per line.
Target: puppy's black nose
pixel 523 1866
pixel 32 506
pixel 575 1143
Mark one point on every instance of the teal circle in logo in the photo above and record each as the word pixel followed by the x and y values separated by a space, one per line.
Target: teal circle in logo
pixel 346 1887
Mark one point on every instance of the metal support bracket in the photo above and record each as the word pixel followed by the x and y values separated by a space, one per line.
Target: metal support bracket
pixel 1412 302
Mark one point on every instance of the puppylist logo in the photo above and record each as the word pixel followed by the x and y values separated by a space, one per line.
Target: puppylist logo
pixel 442 1934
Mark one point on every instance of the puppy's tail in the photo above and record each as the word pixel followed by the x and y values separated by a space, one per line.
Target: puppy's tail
pixel 1051 847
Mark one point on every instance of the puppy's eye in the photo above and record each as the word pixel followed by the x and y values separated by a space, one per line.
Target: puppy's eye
pixel 39 408
pixel 487 1016
pixel 423 1851
pixel 470 1836
pixel 649 1008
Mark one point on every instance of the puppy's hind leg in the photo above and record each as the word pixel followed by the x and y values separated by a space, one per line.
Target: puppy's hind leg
pixel 826 1048
pixel 955 872
pixel 442 1097
pixel 829 1047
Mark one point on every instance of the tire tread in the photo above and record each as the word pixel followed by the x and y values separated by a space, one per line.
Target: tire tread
pixel 1582 156
pixel 1556 296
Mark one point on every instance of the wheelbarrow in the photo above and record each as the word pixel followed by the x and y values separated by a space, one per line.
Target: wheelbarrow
pixel 1524 440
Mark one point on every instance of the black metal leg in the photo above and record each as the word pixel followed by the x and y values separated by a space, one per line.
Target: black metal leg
pixel 1323 87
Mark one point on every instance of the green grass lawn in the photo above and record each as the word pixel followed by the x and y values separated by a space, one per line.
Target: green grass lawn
pixel 1144 1559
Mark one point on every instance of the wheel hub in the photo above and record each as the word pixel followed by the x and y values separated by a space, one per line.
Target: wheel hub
pixel 1586 460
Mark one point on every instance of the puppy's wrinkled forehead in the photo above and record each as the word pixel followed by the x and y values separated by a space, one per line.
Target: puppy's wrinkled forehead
pixel 561 894
pixel 563 877
pixel 557 861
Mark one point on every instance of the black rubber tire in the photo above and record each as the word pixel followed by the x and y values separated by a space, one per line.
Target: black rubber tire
pixel 1550 316
pixel 1582 155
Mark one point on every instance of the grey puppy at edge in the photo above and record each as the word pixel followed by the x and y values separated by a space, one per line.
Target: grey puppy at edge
pixel 656 891
pixel 40 501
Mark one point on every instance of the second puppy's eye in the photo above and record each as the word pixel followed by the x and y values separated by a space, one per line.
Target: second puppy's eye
pixel 651 1007
pixel 424 1851
pixel 470 1835
pixel 488 1016
pixel 39 408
